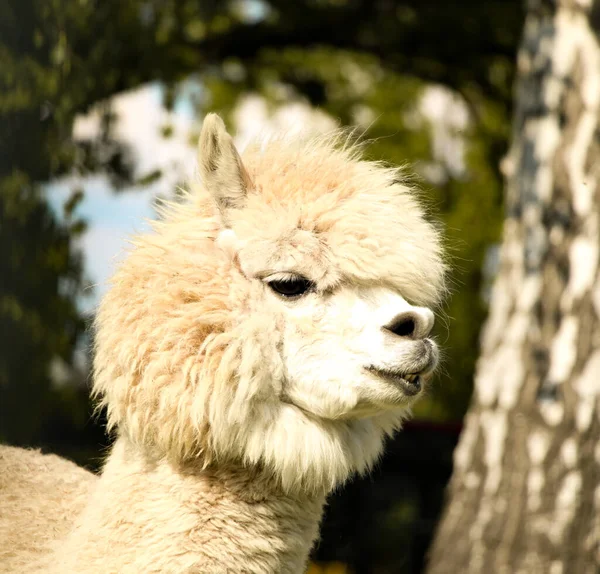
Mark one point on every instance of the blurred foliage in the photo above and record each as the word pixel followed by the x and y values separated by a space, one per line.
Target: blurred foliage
pixel 365 62
pixel 40 278
pixel 328 568
pixel 40 269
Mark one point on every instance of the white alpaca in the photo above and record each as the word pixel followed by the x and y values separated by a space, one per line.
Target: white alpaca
pixel 252 354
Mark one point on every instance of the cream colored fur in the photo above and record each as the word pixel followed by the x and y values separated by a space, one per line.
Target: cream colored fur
pixel 40 498
pixel 238 408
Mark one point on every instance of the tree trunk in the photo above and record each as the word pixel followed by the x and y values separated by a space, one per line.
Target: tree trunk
pixel 525 494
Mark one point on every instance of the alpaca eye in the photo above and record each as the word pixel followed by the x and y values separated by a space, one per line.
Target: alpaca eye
pixel 292 287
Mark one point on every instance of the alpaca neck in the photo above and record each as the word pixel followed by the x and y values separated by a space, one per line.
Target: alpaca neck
pixel 151 516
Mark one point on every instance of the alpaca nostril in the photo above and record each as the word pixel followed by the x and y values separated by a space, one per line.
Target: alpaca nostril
pixel 404 325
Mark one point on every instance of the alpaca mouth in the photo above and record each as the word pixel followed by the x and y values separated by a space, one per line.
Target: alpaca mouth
pixel 410 383
pixel 410 380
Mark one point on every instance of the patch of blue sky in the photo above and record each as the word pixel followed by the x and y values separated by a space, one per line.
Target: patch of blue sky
pixel 100 204
pixel 112 217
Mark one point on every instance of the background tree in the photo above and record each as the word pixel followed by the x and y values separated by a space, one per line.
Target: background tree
pixel 524 494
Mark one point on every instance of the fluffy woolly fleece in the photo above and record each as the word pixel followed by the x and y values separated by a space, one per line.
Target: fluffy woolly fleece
pixel 253 352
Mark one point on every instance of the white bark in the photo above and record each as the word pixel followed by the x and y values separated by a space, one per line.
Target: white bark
pixel 523 497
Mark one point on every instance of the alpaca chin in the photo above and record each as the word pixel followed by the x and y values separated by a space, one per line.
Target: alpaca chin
pixel 316 455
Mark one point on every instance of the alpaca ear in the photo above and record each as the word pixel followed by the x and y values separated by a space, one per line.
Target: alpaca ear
pixel 221 167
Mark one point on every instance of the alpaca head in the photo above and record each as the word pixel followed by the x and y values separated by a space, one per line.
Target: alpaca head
pixel 278 317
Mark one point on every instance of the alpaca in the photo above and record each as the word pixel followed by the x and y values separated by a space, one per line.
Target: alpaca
pixel 252 354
